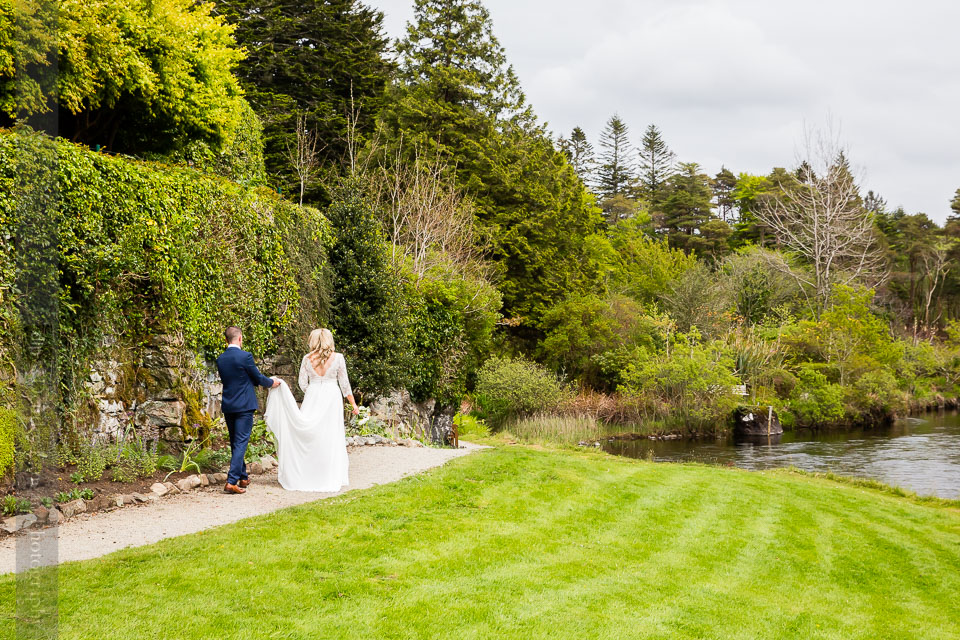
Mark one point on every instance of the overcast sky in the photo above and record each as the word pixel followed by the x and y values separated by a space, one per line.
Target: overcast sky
pixel 732 82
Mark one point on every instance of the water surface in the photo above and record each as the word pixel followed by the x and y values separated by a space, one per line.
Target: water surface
pixel 919 454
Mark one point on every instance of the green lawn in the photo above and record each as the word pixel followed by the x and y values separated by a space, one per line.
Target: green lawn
pixel 522 543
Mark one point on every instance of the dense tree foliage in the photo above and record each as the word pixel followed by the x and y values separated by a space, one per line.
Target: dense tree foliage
pixel 325 62
pixel 457 99
pixel 130 75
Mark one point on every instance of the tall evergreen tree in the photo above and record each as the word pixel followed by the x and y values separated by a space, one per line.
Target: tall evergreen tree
pixel 955 204
pixel 456 87
pixel 874 203
pixel 723 185
pixel 458 99
pixel 656 166
pixel 367 314
pixel 616 172
pixel 579 152
pixel 323 61
pixel 686 208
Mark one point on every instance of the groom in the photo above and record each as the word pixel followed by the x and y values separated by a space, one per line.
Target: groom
pixel 239 376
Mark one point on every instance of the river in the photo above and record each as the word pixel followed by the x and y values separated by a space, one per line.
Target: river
pixel 920 454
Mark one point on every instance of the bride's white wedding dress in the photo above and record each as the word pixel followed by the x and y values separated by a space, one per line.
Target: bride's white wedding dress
pixel 311 447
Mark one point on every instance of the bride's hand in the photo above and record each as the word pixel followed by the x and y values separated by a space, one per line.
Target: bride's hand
pixel 356 410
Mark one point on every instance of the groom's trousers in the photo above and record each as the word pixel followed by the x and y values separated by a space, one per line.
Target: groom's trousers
pixel 239 425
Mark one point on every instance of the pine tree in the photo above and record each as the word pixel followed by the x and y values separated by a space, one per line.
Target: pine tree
pixel 458 99
pixel 874 203
pixel 955 204
pixel 687 210
pixel 723 185
pixel 579 152
pixel 456 85
pixel 656 166
pixel 616 172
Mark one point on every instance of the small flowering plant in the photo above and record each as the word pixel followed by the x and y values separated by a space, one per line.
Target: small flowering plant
pixel 365 424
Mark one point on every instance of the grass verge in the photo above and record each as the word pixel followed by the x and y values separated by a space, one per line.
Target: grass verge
pixel 517 542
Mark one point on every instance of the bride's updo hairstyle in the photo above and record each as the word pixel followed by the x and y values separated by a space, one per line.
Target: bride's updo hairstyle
pixel 321 346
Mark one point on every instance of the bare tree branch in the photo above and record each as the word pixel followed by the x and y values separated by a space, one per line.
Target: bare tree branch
pixel 303 154
pixel 819 217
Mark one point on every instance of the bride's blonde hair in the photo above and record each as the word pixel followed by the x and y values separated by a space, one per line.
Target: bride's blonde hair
pixel 321 346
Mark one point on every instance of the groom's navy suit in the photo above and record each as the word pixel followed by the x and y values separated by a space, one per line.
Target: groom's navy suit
pixel 239 376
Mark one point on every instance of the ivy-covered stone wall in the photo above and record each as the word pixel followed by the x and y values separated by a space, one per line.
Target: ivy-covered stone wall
pixel 117 278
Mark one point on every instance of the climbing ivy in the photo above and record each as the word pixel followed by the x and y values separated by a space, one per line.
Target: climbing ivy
pixel 100 249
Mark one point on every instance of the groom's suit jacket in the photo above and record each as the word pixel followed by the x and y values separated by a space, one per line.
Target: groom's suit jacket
pixel 239 376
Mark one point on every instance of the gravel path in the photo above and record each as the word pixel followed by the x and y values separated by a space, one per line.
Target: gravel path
pixel 92 535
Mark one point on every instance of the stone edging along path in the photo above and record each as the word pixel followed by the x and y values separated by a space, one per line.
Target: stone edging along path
pixel 43 516
pixel 158 515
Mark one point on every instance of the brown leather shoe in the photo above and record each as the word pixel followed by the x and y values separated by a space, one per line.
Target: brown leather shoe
pixel 244 483
pixel 232 488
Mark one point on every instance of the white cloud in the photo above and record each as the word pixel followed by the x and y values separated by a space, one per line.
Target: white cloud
pixel 732 81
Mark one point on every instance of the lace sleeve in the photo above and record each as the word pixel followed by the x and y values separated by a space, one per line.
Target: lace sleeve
pixel 342 378
pixel 304 374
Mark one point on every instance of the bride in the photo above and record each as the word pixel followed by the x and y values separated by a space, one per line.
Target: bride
pixel 310 439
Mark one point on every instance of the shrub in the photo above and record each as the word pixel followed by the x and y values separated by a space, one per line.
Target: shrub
pixel 469 425
pixel 451 321
pixel 511 388
pixel 132 461
pixel 877 394
pixel 261 442
pixel 92 463
pixel 585 334
pixel 815 401
pixel 645 268
pixel 691 383
pixel 699 298
pixel 757 285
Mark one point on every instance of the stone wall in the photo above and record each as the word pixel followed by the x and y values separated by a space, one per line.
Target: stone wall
pixel 415 419
pixel 149 390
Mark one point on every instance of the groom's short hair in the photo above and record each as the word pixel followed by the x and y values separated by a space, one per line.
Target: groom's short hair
pixel 231 334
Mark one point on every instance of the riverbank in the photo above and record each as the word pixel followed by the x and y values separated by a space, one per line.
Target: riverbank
pixel 606 418
pixel 518 542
